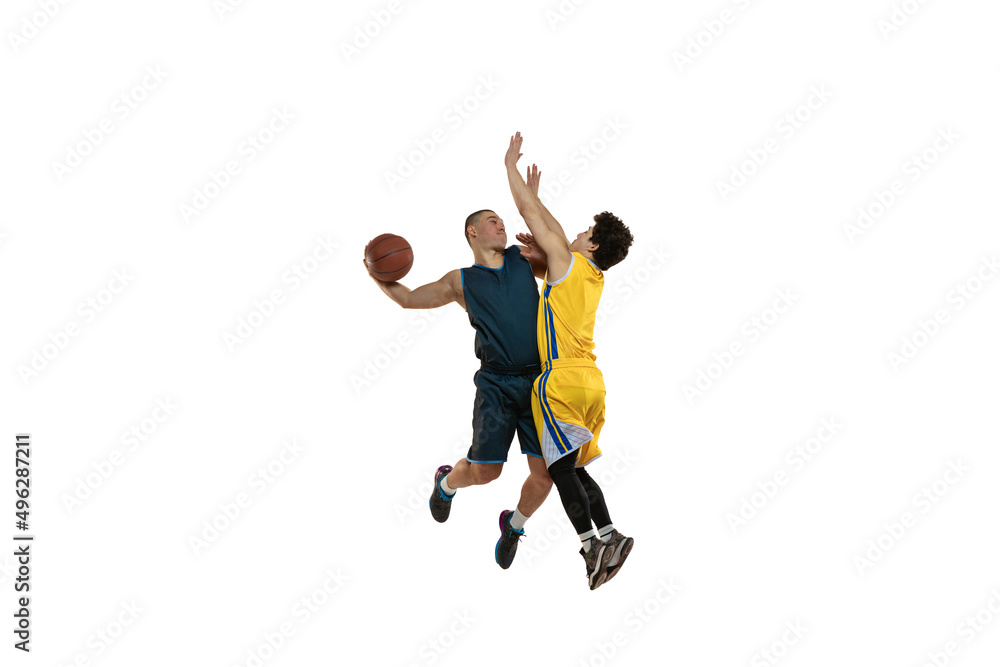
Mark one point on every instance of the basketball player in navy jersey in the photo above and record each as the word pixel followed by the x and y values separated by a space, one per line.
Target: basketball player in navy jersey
pixel 500 294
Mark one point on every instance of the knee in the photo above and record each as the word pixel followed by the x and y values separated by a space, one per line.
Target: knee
pixel 544 484
pixel 541 479
pixel 484 473
pixel 561 471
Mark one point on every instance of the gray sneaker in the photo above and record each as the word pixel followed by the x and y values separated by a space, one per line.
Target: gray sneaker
pixel 620 547
pixel 439 502
pixel 597 558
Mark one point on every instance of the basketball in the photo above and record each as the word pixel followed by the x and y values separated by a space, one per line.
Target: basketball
pixel 389 257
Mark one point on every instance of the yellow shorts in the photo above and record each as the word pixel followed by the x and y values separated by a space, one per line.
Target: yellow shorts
pixel 567 401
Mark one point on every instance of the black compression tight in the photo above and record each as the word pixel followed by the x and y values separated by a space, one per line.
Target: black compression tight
pixel 581 497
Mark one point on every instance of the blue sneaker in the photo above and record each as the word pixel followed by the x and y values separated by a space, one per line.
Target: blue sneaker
pixel 439 502
pixel 507 544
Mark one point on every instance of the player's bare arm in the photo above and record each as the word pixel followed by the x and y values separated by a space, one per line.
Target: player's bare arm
pixel 530 250
pixel 553 244
pixel 534 178
pixel 432 295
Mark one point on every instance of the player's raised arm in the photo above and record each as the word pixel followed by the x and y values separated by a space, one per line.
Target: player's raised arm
pixel 432 295
pixel 534 178
pixel 529 249
pixel 553 244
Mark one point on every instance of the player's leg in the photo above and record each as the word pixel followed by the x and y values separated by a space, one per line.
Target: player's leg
pixel 577 506
pixel 573 496
pixel 559 401
pixel 448 480
pixel 595 500
pixel 572 404
pixel 620 545
pixel 467 473
pixel 538 483
pixel 595 422
pixel 492 433
pixel 536 487
pixel 533 493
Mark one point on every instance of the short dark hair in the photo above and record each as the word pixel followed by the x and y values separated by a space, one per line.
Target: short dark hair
pixel 612 239
pixel 472 221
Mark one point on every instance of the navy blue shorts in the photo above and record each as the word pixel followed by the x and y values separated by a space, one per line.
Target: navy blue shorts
pixel 503 406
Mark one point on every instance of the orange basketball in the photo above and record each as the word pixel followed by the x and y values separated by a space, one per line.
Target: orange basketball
pixel 389 257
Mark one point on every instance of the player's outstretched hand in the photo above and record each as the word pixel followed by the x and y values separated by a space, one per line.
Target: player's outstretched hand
pixel 513 151
pixel 534 177
pixel 530 251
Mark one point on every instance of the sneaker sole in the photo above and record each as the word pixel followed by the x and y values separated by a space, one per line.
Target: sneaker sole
pixel 600 574
pixel 625 549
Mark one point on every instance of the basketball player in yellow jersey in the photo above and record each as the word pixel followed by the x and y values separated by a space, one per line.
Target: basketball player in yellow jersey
pixel 568 396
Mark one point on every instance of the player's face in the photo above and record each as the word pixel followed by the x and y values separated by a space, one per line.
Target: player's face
pixel 582 240
pixel 492 232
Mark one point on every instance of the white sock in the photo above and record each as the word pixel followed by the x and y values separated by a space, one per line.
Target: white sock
pixel 585 538
pixel 517 520
pixel 605 532
pixel 448 491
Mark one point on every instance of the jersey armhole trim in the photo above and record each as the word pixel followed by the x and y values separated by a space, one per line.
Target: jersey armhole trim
pixel 461 272
pixel 572 259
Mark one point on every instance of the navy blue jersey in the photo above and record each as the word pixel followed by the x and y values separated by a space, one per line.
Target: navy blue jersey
pixel 503 307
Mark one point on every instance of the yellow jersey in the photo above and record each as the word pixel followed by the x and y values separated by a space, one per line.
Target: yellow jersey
pixel 567 312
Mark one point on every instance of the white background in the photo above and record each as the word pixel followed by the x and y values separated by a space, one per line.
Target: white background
pixel 349 510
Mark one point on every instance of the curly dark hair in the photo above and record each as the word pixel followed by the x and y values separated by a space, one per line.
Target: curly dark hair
pixel 612 239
